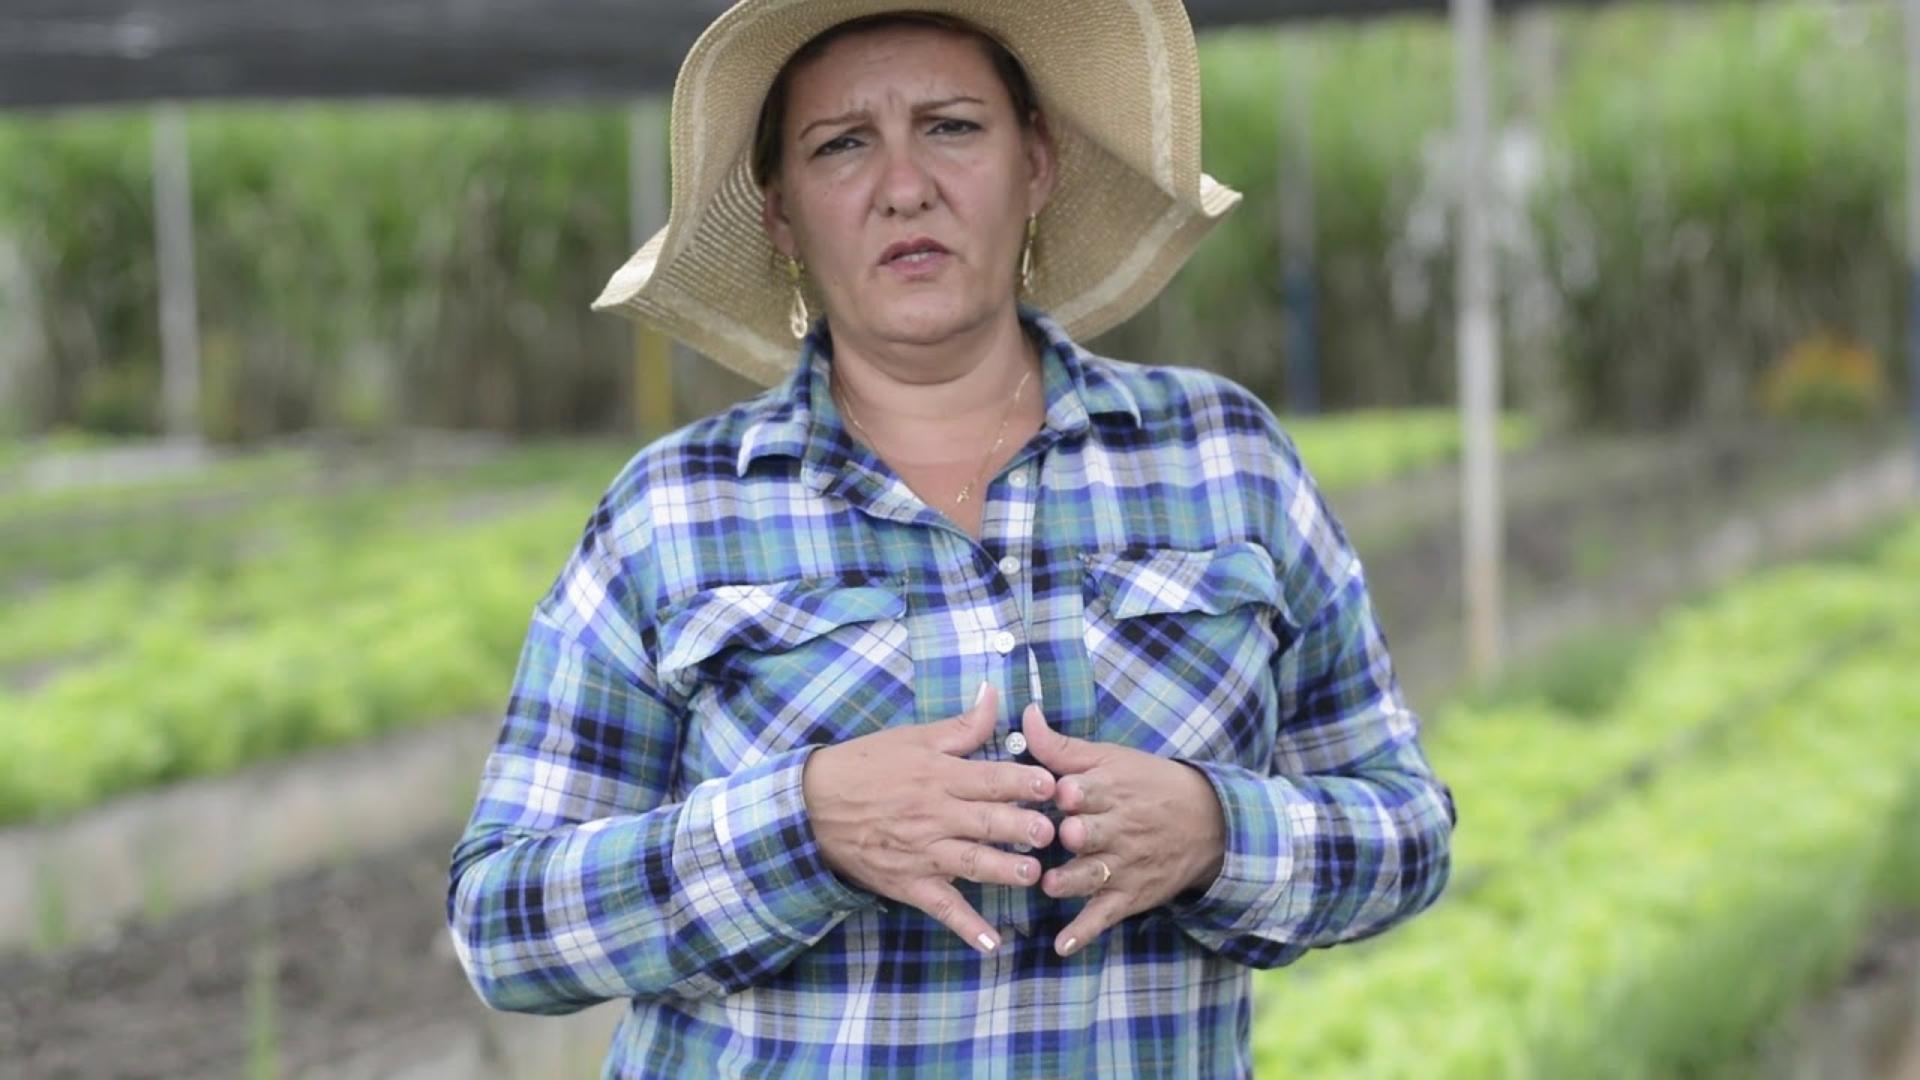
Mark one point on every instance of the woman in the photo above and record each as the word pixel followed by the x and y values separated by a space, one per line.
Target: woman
pixel 1063 654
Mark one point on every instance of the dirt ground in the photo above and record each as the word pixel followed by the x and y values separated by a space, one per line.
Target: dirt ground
pixel 312 971
pixel 337 964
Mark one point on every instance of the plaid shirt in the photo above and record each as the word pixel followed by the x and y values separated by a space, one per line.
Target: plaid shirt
pixel 1158 568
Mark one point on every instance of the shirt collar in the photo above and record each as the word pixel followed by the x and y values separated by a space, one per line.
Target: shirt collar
pixel 800 420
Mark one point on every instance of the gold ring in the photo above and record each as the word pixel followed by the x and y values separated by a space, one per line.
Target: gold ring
pixel 1106 872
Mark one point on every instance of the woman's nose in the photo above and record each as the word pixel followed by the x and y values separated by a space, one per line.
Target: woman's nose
pixel 906 187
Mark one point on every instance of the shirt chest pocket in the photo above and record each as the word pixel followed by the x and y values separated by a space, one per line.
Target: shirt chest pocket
pixel 1182 647
pixel 764 668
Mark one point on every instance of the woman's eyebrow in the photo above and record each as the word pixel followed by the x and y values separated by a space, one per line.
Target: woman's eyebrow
pixel 834 121
pixel 865 114
pixel 958 99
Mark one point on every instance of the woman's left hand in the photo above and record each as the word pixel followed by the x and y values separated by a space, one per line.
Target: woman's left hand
pixel 1154 823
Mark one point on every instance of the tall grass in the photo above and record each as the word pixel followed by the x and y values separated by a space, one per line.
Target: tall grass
pixel 1711 183
pixel 356 265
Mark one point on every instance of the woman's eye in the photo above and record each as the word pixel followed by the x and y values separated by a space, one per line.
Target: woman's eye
pixel 834 146
pixel 955 126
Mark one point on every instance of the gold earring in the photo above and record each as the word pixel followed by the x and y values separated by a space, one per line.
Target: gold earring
pixel 1026 254
pixel 798 318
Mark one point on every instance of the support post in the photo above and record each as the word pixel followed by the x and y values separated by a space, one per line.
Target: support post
pixel 1296 202
pixel 653 402
pixel 1912 11
pixel 1477 342
pixel 179 298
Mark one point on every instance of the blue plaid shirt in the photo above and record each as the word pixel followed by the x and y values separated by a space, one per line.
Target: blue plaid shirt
pixel 1158 568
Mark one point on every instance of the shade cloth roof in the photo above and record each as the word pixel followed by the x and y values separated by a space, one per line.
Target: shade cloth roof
pixel 70 52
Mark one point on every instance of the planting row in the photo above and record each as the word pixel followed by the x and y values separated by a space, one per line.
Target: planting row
pixel 237 508
pixel 1657 932
pixel 315 619
pixel 280 553
pixel 430 630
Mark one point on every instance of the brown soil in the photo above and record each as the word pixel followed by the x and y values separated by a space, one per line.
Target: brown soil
pixel 313 970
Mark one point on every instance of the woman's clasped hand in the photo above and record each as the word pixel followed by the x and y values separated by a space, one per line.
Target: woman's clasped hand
pixel 902 813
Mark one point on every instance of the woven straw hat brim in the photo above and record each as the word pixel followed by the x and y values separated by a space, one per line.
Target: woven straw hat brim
pixel 1119 81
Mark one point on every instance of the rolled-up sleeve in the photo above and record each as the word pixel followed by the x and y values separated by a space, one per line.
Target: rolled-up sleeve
pixel 1349 831
pixel 577 880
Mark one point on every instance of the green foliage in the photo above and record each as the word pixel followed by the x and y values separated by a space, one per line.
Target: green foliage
pixel 1377 90
pixel 428 629
pixel 17 453
pixel 249 611
pixel 1353 449
pixel 207 518
pixel 243 612
pixel 1725 186
pixel 23 507
pixel 1582 678
pixel 1659 933
pixel 312 564
pixel 263 1011
pixel 435 262
pixel 311 615
pixel 1900 873
pixel 1716 182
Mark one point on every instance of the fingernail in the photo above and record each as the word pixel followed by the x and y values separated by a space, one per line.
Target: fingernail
pixel 981 695
pixel 1039 786
pixel 987 944
pixel 1033 832
pixel 1024 871
pixel 1067 946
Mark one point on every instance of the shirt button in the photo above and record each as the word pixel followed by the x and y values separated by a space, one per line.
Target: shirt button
pixel 1003 642
pixel 1009 566
pixel 1018 479
pixel 1016 743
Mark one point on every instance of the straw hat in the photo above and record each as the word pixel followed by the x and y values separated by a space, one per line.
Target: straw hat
pixel 1119 81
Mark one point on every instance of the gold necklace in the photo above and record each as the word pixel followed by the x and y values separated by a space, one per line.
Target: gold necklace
pixel 1000 437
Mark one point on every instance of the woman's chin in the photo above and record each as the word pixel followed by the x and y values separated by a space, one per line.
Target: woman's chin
pixel 925 320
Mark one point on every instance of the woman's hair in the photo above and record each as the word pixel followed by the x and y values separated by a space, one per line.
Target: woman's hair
pixel 773 111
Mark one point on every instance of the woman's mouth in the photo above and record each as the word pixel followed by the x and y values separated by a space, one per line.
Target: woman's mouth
pixel 918 257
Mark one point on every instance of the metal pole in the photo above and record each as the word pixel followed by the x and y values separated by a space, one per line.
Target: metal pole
pixel 1533 311
pixel 1477 343
pixel 1296 199
pixel 23 338
pixel 646 213
pixel 179 301
pixel 1912 10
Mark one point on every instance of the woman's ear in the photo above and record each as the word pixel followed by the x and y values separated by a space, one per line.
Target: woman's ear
pixel 773 218
pixel 1042 162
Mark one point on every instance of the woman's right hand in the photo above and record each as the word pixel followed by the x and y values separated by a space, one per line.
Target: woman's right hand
pixel 901 813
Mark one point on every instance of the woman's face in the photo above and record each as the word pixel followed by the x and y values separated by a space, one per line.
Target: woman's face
pixel 906 136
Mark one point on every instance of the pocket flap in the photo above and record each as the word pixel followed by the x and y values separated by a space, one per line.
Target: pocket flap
pixel 1140 581
pixel 772 617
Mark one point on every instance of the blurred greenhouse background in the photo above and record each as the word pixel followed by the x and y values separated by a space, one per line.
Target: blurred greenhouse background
pixel 248 671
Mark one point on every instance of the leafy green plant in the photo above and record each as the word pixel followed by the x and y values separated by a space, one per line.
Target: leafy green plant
pixel 183 701
pixel 1353 449
pixel 230 511
pixel 1656 931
